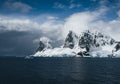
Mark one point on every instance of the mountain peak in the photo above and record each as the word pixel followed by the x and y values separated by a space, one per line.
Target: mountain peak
pixel 44 44
pixel 71 40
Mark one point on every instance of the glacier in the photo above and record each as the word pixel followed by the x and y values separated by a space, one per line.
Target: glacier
pixel 87 44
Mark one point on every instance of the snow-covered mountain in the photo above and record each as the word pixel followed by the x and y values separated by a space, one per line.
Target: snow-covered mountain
pixel 44 44
pixel 87 44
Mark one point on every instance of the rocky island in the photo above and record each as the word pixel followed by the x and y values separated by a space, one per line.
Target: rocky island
pixel 86 44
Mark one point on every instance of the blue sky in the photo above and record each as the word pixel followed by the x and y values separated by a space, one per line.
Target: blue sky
pixel 61 8
pixel 23 22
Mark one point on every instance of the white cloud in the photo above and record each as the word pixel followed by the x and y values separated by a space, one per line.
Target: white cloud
pixel 53 27
pixel 78 22
pixel 74 6
pixel 10 24
pixel 52 18
pixel 81 21
pixel 50 26
pixel 26 24
pixel 110 28
pixel 17 6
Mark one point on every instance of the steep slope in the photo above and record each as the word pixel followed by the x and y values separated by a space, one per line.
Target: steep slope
pixel 116 51
pixel 71 40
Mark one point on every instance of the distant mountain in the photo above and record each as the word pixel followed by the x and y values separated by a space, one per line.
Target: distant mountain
pixel 88 43
pixel 44 44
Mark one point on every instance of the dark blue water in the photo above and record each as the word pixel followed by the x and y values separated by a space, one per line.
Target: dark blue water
pixel 16 70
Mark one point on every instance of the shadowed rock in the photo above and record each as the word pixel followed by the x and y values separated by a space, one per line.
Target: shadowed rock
pixel 44 44
pixel 71 40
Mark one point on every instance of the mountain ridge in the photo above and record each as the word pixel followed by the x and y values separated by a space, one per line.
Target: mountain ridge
pixel 88 43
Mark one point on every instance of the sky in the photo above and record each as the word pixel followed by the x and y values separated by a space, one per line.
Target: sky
pixel 24 22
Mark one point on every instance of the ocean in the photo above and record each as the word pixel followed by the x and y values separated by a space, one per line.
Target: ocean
pixel 59 70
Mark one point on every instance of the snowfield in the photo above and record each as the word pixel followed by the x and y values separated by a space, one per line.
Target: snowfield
pixel 67 52
pixel 59 52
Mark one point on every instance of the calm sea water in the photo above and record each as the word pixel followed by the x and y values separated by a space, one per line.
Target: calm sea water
pixel 16 70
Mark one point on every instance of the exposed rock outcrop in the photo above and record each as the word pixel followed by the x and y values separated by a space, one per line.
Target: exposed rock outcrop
pixel 89 40
pixel 44 44
pixel 71 40
pixel 117 46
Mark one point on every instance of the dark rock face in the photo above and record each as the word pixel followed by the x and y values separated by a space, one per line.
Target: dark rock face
pixel 86 41
pixel 70 40
pixel 117 47
pixel 83 53
pixel 44 44
pixel 41 46
pixel 103 39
